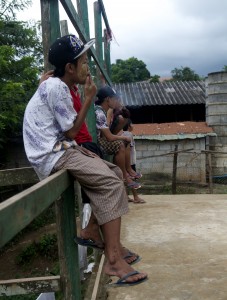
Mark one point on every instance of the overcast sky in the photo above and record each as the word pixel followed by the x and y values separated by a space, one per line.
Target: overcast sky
pixel 164 34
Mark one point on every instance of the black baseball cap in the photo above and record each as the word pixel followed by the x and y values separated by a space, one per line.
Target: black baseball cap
pixel 66 49
pixel 105 92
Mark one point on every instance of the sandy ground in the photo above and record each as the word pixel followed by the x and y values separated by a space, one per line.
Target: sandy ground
pixel 182 240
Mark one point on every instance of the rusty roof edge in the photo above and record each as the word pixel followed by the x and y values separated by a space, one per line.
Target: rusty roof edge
pixel 179 136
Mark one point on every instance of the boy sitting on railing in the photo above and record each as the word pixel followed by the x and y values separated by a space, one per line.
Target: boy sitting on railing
pixel 49 128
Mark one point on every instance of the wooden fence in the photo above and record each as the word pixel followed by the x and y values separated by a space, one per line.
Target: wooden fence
pixel 20 210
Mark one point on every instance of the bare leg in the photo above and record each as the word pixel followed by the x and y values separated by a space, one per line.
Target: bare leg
pixel 116 265
pixel 119 160
pixel 128 161
pixel 91 231
pixel 136 197
pixel 129 169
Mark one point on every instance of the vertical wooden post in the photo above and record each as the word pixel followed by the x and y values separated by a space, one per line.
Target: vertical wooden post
pixel 50 27
pixel 64 27
pixel 107 53
pixel 82 8
pixel 210 172
pixel 98 37
pixel 67 249
pixel 174 179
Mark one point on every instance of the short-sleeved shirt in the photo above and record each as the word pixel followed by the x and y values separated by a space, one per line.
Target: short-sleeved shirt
pixel 101 119
pixel 48 115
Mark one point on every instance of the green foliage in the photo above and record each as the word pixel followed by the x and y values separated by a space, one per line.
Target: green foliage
pixel 21 62
pixel 224 68
pixel 46 247
pixel 130 70
pixel 8 8
pixel 27 254
pixel 154 78
pixel 184 74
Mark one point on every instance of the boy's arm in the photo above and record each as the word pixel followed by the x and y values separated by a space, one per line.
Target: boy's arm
pixel 89 93
pixel 112 137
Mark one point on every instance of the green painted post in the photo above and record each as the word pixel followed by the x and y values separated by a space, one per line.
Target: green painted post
pixel 98 38
pixel 50 27
pixel 107 53
pixel 90 118
pixel 68 250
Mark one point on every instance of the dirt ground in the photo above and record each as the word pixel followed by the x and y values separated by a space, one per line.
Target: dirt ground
pixel 37 267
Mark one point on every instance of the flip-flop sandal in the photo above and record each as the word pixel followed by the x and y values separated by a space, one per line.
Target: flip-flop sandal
pixel 122 281
pixel 131 254
pixel 87 243
pixel 134 185
pixel 139 202
pixel 130 200
pixel 137 176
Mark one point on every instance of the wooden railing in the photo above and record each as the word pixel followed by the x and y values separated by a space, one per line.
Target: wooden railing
pixel 20 210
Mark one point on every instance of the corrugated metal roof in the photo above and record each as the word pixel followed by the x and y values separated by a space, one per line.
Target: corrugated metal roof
pixel 163 93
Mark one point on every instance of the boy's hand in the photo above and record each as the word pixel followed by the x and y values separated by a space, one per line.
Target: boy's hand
pixel 90 88
pixel 46 75
pixel 127 139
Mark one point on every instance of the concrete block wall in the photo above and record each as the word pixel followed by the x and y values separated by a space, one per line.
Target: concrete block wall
pixel 190 167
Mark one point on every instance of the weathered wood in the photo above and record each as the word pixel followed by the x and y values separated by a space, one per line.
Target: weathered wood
pixel 98 38
pixel 174 177
pixel 209 160
pixel 18 211
pixel 105 17
pixel 29 285
pixel 67 249
pixel 82 7
pixel 74 18
pixel 107 53
pixel 50 27
pixel 64 27
pixel 18 176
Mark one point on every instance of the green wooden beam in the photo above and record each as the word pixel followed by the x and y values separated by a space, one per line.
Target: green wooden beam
pixel 105 17
pixel 98 39
pixel 68 251
pixel 74 18
pixel 20 210
pixel 29 285
pixel 82 8
pixel 50 27
pixel 18 176
pixel 107 53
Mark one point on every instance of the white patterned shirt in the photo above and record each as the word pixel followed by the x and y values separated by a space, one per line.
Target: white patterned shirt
pixel 48 115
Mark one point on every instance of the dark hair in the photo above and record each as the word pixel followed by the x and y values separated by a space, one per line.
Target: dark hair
pixel 98 101
pixel 126 127
pixel 60 71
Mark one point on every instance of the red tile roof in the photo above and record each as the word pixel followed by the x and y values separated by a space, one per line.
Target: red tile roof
pixel 172 128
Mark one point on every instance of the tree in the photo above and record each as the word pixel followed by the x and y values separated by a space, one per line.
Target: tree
pixel 129 70
pixel 21 62
pixel 224 68
pixel 184 74
pixel 154 78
